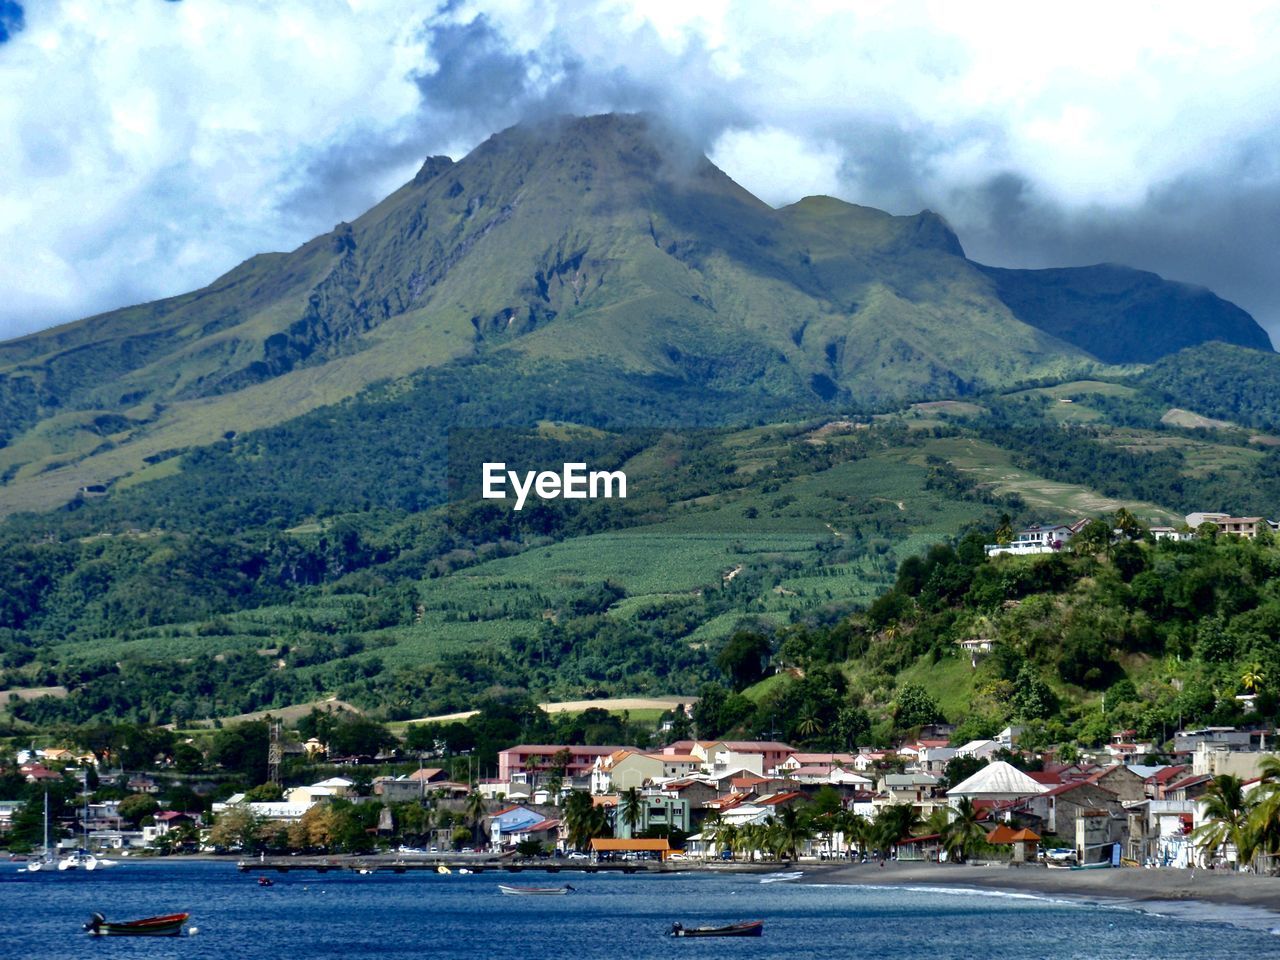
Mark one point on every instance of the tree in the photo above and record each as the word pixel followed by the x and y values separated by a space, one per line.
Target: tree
pixel 631 810
pixel 1032 698
pixel 475 810
pixel 915 708
pixel 1226 820
pixel 1252 678
pixel 964 832
pixel 237 827
pixel 1004 532
pixel 136 806
pixel 1093 538
pixel 242 749
pixel 744 658
pixel 1129 526
pixel 853 727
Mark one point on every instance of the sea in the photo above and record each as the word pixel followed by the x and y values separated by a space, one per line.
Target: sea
pixel 348 916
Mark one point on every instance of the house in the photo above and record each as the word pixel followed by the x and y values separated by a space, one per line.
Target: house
pixel 1188 788
pixel 996 781
pixel 1033 540
pixel 167 820
pixel 1127 785
pixel 1160 832
pixel 797 760
pixel 721 756
pixel 1154 785
pixel 920 790
pixel 695 792
pixel 283 811
pixel 1058 807
pixel 526 761
pixel 657 811
pixel 511 820
pixel 625 769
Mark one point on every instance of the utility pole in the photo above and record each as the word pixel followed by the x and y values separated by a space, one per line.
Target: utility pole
pixel 274 752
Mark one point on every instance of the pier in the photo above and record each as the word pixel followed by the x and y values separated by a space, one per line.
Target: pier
pixel 395 863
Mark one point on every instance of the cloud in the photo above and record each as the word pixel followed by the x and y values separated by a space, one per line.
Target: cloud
pixel 150 147
pixel 11 19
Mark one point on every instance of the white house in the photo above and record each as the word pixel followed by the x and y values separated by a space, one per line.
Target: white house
pixel 995 781
pixel 1032 540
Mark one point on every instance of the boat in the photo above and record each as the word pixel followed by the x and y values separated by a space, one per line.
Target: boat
pixel 46 861
pixel 441 868
pixel 169 925
pixel 751 928
pixel 534 891
pixel 79 860
pixel 266 882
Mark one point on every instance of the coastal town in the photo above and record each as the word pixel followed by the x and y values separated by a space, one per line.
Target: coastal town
pixel 698 801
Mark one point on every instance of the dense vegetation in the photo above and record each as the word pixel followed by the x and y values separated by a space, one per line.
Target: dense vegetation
pixel 1112 635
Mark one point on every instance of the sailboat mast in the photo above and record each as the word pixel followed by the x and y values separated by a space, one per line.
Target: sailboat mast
pixel 45 850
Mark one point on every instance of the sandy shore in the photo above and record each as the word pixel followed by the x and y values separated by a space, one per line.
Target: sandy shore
pixel 1162 891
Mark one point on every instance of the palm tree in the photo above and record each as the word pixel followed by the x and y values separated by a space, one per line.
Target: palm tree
pixel 1004 532
pixel 1264 819
pixel 792 832
pixel 474 810
pixel 711 826
pixel 1227 821
pixel 577 818
pixel 810 724
pixel 1252 678
pixel 893 823
pixel 632 810
pixel 964 832
pixel 727 837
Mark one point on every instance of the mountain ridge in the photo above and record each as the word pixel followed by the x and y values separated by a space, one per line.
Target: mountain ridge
pixel 601 239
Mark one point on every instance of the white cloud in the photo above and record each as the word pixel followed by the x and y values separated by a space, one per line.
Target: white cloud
pixel 151 146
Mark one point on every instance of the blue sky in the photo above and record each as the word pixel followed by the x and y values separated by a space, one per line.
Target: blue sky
pixel 148 146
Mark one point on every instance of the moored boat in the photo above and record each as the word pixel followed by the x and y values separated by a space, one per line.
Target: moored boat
pixel 534 891
pixel 751 928
pixel 168 925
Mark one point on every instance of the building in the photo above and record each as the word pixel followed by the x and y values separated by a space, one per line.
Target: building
pixel 1033 540
pixel 536 761
pixel 626 769
pixel 995 782
pixel 1057 808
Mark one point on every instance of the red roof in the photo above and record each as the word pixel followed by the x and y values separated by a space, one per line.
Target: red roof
pixel 1006 834
pixel 780 798
pixel 1187 782
pixel 1062 788
pixel 1044 778
pixel 1168 773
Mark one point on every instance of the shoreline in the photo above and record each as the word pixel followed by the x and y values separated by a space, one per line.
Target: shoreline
pixel 1242 899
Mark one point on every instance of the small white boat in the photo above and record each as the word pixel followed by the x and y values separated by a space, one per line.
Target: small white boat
pixel 534 891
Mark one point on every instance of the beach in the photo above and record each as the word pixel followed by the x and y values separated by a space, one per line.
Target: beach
pixel 1203 894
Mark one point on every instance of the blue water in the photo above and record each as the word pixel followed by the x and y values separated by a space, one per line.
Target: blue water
pixel 308 916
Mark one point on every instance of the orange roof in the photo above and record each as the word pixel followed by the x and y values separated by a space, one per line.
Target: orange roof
pixel 1006 834
pixel 612 843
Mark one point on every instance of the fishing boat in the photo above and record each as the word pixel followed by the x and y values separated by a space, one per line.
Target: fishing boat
pixel 534 891
pixel 752 928
pixel 266 882
pixel 169 925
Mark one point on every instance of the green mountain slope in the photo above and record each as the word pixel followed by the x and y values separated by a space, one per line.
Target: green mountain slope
pixel 597 241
